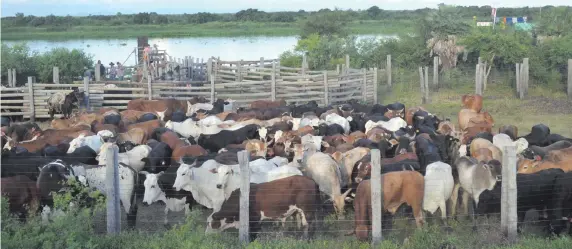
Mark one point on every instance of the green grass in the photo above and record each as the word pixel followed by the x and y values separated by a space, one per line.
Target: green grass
pixel 542 105
pixel 212 29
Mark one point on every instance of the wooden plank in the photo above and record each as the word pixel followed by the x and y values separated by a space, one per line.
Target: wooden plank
pixel 14 113
pixel 31 99
pixel 233 95
pixel 11 89
pixel 12 101
pixel 298 94
pixel 7 95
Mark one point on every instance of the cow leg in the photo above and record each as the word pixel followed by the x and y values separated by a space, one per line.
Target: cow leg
pixel 465 203
pixel 304 223
pixel 454 199
pixel 443 209
pixel 166 220
pixel 51 111
pixel 418 214
pixel 187 209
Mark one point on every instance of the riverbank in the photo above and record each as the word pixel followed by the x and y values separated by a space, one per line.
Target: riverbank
pixel 211 29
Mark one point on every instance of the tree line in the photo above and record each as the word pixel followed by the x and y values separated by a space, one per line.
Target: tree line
pixel 253 15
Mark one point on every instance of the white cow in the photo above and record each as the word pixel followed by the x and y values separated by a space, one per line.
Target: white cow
pixel 439 186
pixel 334 118
pixel 392 125
pixel 94 142
pixel 133 158
pixel 210 120
pixel 200 181
pixel 192 109
pixel 156 189
pixel 501 140
pixel 190 128
pixel 317 141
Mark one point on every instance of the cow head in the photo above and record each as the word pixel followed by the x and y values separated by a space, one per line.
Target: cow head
pixel 153 192
pixel 223 173
pixel 216 223
pixel 184 176
pixel 364 171
pixel 161 115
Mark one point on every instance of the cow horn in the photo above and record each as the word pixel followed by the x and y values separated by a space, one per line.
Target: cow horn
pixel 143 172
pixel 346 193
pixel 161 173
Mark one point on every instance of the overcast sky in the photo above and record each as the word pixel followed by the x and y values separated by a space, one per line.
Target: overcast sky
pixel 85 7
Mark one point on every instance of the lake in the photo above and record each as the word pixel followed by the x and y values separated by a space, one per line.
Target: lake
pixel 227 48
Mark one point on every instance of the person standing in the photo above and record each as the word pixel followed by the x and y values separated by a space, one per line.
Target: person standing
pixel 102 72
pixel 120 71
pixel 87 73
pixel 112 71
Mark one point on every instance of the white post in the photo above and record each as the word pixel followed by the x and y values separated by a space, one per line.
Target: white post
pixel 261 62
pixel 304 64
pixel 518 83
pixel 526 75
pixel 239 71
pixel 273 78
pixel 364 85
pixel 509 194
pixel 375 85
pixel 436 71
pixel 10 77
pixel 56 75
pixel 212 89
pixel 426 83
pixel 326 89
pixel 388 69
pixel 422 85
pixel 478 79
pixel 243 231
pixel 112 185
pixel 86 91
pixel 14 77
pixel 376 197
pixel 149 89
pixel 31 98
pixel 347 63
pixel 98 72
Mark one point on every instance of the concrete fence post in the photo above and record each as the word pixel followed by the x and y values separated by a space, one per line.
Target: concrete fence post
pixel 570 78
pixel 376 197
pixel 422 85
pixel 14 77
pixel 525 74
pixel 304 63
pixel 347 63
pixel 518 87
pixel 364 85
pixel 478 78
pixel 112 185
pixel 261 65
pixel 212 88
pixel 244 228
pixel 149 89
pixel 509 194
pixel 388 69
pixel 98 72
pixel 436 72
pixel 9 72
pixel 426 82
pixel 239 70
pixel 86 92
pixel 375 85
pixel 31 98
pixel 56 75
pixel 273 83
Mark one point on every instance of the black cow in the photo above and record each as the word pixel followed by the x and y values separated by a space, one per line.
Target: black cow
pixel 125 146
pixel 178 116
pixel 215 142
pixel 358 122
pixel 147 117
pixel 13 165
pixel 51 178
pixel 533 151
pixel 534 191
pixel 4 121
pixel 330 130
pixel 384 146
pixel 553 138
pixel 427 152
pixel 159 158
pixel 22 132
pixel 378 109
pixel 562 203
pixel 297 111
pixel 397 108
pixel 81 155
pixel 114 119
pixel 538 135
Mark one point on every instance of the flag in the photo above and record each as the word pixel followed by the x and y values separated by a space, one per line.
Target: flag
pixel 494 14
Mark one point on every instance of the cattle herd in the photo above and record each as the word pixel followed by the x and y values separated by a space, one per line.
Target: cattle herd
pixel 305 161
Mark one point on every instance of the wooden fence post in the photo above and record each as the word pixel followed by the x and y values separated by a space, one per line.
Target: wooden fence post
pixel 112 185
pixel 347 63
pixel 14 77
pixel 525 74
pixel 239 70
pixel 364 85
pixel 422 85
pixel 375 85
pixel 517 70
pixel 212 88
pixel 149 89
pixel 304 64
pixel 97 72
pixel 86 92
pixel 10 77
pixel 261 62
pixel 31 99
pixel 376 197
pixel 273 83
pixel 570 78
pixel 338 68
pixel 326 89
pixel 388 69
pixel 508 193
pixel 243 231
pixel 436 72
pixel 56 75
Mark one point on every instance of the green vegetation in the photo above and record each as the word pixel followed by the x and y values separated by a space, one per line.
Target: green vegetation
pixel 71 63
pixel 247 22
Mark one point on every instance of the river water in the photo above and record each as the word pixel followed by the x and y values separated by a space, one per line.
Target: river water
pixel 227 48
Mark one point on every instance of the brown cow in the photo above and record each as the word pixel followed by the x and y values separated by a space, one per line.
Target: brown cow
pixel 135 135
pixel 482 155
pixel 363 168
pixel 147 126
pixel 69 132
pixel 447 128
pixel 398 188
pixel 562 155
pixel 479 143
pixel 98 126
pixel 354 136
pixel 255 147
pixel 163 107
pixel 510 130
pixel 264 104
pixel 188 150
pixel 132 116
pixel 22 195
pixel 527 166
pixel 410 112
pixel 467 115
pixel 473 102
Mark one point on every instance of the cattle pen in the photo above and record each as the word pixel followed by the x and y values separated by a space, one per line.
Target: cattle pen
pixel 243 81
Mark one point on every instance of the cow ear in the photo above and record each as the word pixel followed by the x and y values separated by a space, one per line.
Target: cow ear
pixel 325 144
pixel 537 158
pixel 393 142
pixel 213 170
pixel 39 168
pixel 143 172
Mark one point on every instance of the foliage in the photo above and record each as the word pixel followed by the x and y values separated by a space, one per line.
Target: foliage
pixel 443 22
pixel 555 21
pixel 507 48
pixel 71 63
pixel 326 24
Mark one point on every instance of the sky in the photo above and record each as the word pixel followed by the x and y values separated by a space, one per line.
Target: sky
pixel 108 7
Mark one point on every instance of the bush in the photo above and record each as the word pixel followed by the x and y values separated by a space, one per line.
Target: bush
pixel 71 63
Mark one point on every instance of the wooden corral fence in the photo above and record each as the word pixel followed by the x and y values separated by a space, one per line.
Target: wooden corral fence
pixel 242 81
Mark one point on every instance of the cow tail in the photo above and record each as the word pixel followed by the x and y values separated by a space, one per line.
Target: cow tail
pixel 132 215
